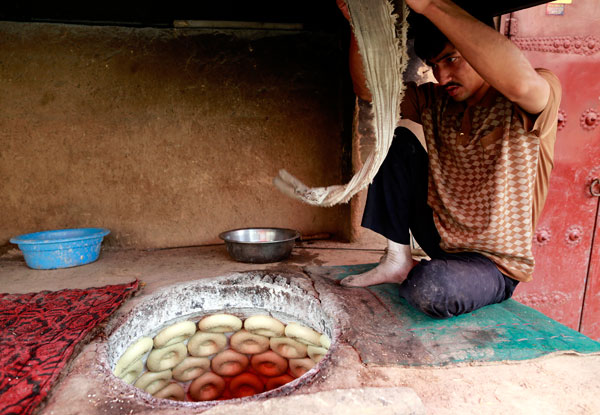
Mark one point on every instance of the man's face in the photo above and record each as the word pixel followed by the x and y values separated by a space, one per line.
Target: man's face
pixel 459 78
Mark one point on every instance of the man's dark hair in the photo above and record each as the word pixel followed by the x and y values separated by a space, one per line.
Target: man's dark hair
pixel 430 41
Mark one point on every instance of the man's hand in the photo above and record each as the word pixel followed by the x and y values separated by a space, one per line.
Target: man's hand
pixel 418 6
pixel 357 71
pixel 344 8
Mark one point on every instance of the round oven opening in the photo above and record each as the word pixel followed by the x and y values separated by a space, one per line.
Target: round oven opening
pixel 241 335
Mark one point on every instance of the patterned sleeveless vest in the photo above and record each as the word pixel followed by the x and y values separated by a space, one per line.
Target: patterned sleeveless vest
pixel 482 170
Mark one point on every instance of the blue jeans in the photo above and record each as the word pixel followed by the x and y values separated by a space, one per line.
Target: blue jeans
pixel 449 284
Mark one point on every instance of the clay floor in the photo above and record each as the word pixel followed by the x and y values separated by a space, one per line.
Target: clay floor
pixel 559 384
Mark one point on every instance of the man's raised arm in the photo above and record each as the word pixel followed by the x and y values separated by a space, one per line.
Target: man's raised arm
pixel 497 60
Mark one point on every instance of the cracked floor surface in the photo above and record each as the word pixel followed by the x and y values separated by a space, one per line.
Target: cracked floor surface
pixel 565 384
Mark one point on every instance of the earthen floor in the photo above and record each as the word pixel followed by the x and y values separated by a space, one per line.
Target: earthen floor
pixel 561 384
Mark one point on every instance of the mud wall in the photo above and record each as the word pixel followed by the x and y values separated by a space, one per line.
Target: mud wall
pixel 166 136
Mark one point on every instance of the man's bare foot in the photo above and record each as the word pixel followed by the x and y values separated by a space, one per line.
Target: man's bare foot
pixel 393 267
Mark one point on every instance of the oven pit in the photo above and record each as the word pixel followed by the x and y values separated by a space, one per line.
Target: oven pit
pixel 248 335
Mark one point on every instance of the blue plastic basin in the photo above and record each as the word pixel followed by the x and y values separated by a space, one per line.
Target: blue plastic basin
pixel 61 248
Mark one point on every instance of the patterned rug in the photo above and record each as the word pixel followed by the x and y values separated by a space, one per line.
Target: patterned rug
pixel 38 334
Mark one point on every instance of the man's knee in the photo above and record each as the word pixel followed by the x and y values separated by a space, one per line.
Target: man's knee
pixel 405 142
pixel 429 289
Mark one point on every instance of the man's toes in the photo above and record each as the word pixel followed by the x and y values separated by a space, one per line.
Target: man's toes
pixel 360 280
pixel 348 280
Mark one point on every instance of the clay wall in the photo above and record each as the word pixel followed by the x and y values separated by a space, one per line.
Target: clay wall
pixel 167 137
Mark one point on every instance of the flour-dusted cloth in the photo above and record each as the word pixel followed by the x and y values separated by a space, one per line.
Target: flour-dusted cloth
pixel 383 51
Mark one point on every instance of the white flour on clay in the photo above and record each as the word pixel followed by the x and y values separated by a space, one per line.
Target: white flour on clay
pixel 384 56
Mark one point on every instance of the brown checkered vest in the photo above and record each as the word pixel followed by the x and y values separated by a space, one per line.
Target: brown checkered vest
pixel 481 182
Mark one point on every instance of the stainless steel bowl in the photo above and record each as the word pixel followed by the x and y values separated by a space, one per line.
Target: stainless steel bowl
pixel 260 245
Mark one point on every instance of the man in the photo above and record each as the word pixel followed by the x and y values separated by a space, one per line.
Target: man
pixel 472 201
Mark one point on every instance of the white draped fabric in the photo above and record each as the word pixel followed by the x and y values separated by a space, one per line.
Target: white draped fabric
pixel 382 45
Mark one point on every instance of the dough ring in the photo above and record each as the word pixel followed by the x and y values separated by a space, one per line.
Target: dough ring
pixel 264 326
pixel 316 353
pixel 190 368
pixel 229 363
pixel 133 371
pixel 298 367
pixel 274 383
pixel 173 391
pixel 303 334
pixel 207 387
pixel 166 357
pixel 152 382
pixel 269 363
pixel 175 333
pixel 246 384
pixel 220 323
pixel 325 342
pixel 288 348
pixel 248 343
pixel 205 344
pixel 134 352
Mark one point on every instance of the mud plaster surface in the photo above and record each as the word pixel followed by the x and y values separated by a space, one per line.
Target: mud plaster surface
pixel 167 137
pixel 561 384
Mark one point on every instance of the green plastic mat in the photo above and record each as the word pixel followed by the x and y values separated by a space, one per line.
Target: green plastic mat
pixel 505 331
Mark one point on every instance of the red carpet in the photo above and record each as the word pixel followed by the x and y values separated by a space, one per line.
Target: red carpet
pixel 38 333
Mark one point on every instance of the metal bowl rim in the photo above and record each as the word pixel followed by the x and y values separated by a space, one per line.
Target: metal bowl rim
pixel 223 236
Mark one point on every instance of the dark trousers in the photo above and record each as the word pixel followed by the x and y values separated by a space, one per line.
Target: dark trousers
pixel 449 284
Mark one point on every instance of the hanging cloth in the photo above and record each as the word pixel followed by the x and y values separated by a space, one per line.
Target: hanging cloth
pixel 382 46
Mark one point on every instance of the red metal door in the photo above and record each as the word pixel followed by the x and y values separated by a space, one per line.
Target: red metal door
pixel 565 38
